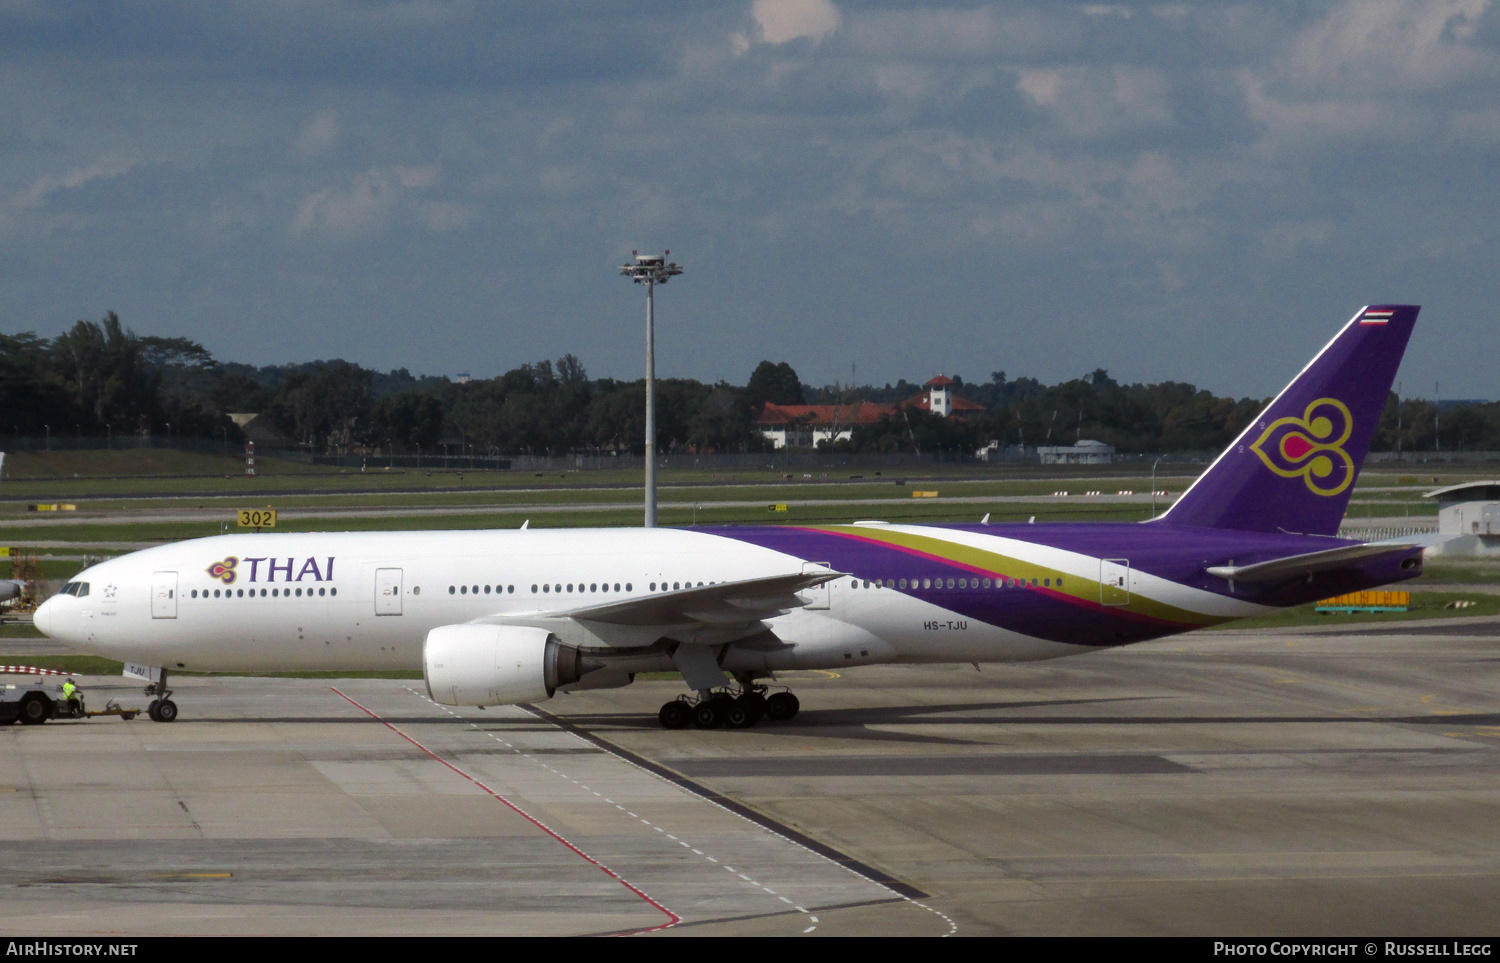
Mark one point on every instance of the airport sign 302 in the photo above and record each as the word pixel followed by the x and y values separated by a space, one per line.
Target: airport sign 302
pixel 257 518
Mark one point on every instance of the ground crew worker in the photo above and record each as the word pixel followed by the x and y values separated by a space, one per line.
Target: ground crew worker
pixel 71 697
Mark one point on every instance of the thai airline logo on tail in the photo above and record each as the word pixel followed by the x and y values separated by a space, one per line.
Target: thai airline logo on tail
pixel 1294 467
pixel 1311 447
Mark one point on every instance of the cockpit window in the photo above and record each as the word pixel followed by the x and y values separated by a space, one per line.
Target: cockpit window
pixel 78 589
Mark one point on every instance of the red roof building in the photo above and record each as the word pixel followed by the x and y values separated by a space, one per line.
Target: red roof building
pixel 804 426
pixel 940 399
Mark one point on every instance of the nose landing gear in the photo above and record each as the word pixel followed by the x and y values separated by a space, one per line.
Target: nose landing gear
pixel 734 708
pixel 161 708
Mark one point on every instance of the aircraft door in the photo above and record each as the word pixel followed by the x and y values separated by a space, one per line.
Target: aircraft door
pixel 817 596
pixel 1114 581
pixel 387 591
pixel 164 595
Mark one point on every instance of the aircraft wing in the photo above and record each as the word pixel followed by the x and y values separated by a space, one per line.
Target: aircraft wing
pixel 707 614
pixel 747 600
pixel 1306 564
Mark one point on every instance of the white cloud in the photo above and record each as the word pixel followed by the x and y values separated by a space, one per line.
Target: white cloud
pixel 1365 47
pixel 939 34
pixel 1370 69
pixel 1090 101
pixel 782 21
pixel 1154 179
pixel 108 166
pixel 371 201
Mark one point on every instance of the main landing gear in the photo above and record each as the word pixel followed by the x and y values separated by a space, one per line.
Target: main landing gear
pixel 735 708
pixel 161 708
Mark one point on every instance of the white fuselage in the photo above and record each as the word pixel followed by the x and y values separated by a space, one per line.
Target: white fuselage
pixel 366 601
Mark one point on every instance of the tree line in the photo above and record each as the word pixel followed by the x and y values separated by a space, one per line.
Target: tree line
pixel 101 377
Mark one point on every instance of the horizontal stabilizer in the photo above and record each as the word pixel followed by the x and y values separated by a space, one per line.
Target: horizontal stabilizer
pixel 1297 565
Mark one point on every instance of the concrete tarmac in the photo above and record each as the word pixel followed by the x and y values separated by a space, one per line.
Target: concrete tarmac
pixel 1307 782
pixel 1313 781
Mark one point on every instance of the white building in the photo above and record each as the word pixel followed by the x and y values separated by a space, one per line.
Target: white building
pixel 1470 515
pixel 1086 452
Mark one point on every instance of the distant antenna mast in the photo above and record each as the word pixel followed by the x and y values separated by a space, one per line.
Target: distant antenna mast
pixel 650 270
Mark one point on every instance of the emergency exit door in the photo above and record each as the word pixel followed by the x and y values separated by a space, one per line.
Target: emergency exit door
pixel 387 591
pixel 1114 581
pixel 817 596
pixel 164 595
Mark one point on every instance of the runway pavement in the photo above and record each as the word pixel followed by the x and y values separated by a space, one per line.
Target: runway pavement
pixel 1314 781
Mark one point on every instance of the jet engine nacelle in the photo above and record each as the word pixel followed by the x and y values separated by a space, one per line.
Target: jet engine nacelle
pixel 496 665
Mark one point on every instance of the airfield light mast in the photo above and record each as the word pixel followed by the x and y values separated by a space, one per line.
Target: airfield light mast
pixel 650 270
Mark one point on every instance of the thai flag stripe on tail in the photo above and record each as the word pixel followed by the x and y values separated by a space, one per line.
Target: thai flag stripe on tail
pixel 1376 317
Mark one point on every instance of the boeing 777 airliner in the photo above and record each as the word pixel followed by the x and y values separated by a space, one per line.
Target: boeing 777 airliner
pixel 501 617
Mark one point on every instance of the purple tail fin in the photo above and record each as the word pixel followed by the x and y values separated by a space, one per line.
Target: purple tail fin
pixel 1293 468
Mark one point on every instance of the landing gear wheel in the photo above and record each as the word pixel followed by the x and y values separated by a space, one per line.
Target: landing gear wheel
pixel 161 708
pixel 746 710
pixel 675 715
pixel 35 709
pixel 711 714
pixel 737 716
pixel 755 702
pixel 782 707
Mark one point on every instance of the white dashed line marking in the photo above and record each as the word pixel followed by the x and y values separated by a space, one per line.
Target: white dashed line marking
pixel 528 756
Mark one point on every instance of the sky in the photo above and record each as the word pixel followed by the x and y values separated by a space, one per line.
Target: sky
pixel 1197 192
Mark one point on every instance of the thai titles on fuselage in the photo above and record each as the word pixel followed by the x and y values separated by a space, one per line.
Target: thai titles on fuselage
pixel 266 569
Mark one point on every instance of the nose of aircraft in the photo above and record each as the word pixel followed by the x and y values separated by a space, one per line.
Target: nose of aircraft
pixel 45 617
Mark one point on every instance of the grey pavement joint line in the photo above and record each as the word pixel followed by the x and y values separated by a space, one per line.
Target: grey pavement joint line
pixel 508 745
